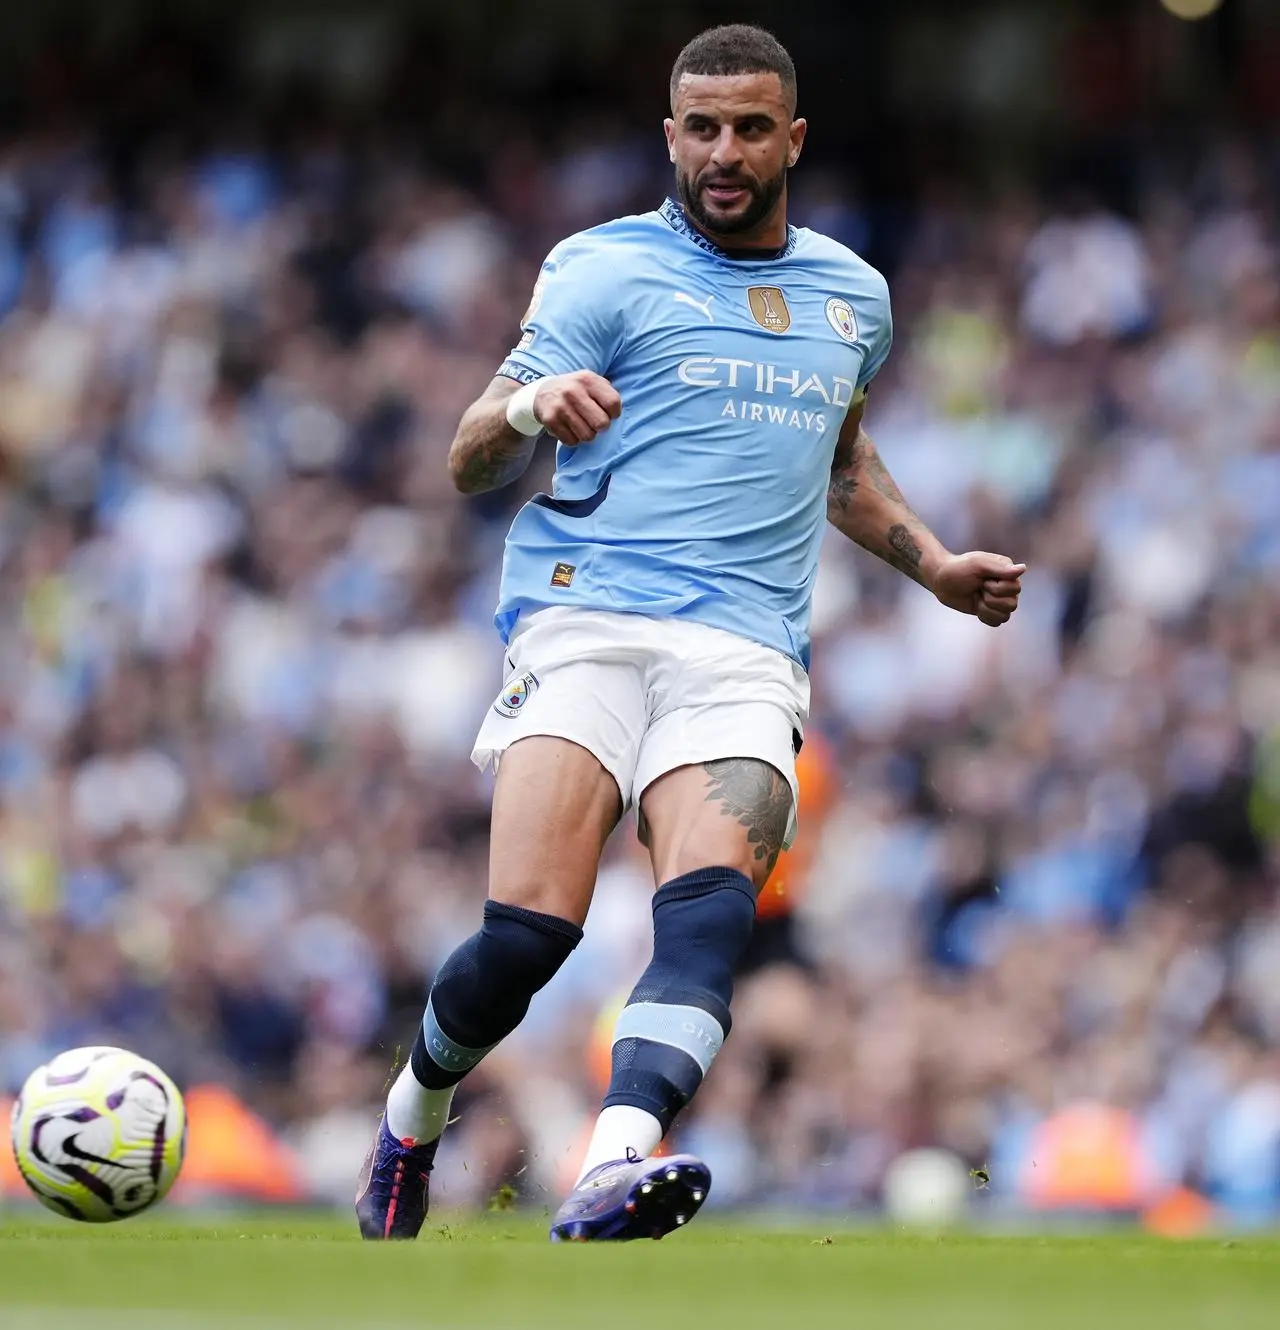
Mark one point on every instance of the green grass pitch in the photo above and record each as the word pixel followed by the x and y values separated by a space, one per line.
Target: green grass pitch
pixel 277 1273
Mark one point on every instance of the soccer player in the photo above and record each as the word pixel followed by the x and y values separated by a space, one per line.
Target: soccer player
pixel 704 369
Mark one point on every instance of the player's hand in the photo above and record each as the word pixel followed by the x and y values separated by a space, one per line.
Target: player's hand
pixel 575 407
pixel 987 585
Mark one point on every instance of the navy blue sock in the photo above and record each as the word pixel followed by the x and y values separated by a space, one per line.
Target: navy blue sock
pixel 677 1017
pixel 483 990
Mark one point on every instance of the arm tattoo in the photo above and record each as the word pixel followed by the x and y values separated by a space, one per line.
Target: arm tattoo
pixel 756 796
pixel 484 456
pixel 844 480
pixel 840 491
pixel 494 462
pixel 882 482
pixel 906 552
pixel 881 520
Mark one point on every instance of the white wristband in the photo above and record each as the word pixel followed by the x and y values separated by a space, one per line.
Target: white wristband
pixel 520 410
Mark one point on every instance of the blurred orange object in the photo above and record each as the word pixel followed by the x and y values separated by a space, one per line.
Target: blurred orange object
pixel 11 1183
pixel 1088 1156
pixel 1181 1213
pixel 600 1042
pixel 818 778
pixel 232 1153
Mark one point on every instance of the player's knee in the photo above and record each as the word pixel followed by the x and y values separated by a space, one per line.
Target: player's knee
pixel 702 922
pixel 729 813
pixel 725 848
pixel 483 990
pixel 733 855
pixel 543 895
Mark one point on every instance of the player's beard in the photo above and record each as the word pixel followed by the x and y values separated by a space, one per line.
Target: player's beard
pixel 764 197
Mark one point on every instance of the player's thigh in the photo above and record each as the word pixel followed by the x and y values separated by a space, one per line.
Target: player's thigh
pixel 724 792
pixel 554 805
pixel 564 734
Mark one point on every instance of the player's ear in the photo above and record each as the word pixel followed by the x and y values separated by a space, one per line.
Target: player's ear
pixel 798 130
pixel 669 128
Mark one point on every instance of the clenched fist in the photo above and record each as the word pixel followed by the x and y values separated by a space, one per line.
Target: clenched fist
pixel 574 408
pixel 986 585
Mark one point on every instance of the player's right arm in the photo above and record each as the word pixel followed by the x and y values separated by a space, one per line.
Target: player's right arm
pixel 554 379
pixel 488 451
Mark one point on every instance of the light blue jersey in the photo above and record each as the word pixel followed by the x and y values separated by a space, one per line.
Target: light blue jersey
pixel 706 499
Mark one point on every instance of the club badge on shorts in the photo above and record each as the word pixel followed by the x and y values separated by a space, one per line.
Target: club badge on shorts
pixel 515 694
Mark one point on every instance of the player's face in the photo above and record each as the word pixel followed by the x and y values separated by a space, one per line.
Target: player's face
pixel 732 139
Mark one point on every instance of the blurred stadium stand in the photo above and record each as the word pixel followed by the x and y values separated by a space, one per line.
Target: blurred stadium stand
pixel 254 261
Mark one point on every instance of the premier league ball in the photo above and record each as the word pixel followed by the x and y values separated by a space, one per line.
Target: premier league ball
pixel 99 1134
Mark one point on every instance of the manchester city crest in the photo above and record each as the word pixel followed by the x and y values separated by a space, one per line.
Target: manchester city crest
pixel 842 319
pixel 515 693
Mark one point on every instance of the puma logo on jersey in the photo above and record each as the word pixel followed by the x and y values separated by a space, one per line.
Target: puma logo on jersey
pixel 703 305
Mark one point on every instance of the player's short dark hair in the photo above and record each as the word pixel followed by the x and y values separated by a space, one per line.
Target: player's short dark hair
pixel 736 48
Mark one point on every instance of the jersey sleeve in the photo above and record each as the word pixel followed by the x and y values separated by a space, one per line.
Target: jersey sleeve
pixel 574 319
pixel 879 337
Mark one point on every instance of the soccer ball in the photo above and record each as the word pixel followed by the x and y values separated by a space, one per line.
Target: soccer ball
pixel 99 1134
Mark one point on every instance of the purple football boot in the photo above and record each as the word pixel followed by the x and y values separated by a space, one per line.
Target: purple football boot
pixel 392 1200
pixel 633 1198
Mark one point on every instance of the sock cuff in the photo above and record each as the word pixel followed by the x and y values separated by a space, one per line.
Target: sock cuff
pixel 652 1093
pixel 454 1051
pixel 702 882
pixel 548 924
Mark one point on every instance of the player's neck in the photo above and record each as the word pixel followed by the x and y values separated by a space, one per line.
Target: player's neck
pixel 765 241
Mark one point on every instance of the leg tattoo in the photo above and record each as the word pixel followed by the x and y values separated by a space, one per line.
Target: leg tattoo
pixel 757 797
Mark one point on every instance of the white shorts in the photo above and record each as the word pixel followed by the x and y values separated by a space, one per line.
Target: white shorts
pixel 647 695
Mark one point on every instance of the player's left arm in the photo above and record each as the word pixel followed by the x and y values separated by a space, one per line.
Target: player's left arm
pixel 867 506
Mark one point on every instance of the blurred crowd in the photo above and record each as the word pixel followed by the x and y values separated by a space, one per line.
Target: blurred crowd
pixel 245 642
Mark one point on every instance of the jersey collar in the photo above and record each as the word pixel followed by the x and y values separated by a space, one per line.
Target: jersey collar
pixel 673 214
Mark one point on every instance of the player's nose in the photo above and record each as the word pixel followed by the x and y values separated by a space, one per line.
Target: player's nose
pixel 728 150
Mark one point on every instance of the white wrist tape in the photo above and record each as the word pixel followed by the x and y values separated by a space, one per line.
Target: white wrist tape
pixel 520 410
